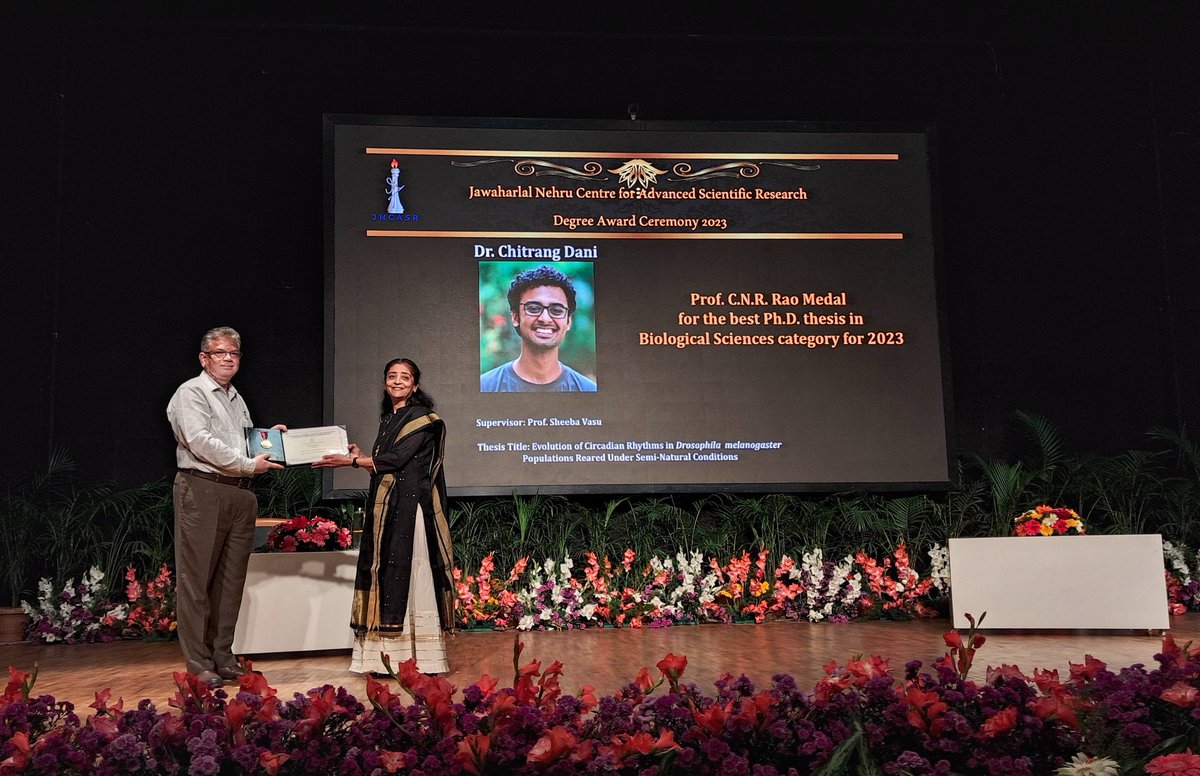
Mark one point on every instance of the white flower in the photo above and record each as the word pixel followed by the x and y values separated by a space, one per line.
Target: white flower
pixel 588 612
pixel 565 567
pixel 1082 765
pixel 939 568
pixel 1178 562
pixel 526 623
pixel 545 615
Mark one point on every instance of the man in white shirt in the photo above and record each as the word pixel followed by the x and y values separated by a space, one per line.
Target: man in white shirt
pixel 215 508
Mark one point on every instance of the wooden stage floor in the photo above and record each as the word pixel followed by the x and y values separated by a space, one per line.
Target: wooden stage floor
pixel 604 658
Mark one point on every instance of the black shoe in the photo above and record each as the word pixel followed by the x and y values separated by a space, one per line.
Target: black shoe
pixel 230 673
pixel 211 679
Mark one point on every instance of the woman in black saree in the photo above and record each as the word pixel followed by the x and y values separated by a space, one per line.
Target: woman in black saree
pixel 403 591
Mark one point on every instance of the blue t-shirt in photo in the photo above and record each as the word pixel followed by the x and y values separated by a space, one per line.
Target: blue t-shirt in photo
pixel 504 379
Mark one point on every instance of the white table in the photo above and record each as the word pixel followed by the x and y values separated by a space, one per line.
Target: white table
pixel 1053 582
pixel 296 602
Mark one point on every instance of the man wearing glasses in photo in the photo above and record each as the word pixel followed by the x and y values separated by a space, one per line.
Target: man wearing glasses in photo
pixel 542 301
pixel 215 508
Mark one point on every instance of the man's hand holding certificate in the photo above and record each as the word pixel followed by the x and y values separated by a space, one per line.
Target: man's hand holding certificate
pixel 297 446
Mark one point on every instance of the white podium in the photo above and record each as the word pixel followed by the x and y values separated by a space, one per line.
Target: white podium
pixel 296 602
pixel 1060 582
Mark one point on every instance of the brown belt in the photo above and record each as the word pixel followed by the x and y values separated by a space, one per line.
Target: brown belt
pixel 237 482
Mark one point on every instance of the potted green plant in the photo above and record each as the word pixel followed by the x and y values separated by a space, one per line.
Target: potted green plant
pixel 21 497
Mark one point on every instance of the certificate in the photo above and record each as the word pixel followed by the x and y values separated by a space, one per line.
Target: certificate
pixel 297 446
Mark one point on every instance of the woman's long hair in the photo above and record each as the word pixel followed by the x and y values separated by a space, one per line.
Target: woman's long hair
pixel 418 397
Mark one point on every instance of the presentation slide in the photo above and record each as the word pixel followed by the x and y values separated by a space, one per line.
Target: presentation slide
pixel 640 307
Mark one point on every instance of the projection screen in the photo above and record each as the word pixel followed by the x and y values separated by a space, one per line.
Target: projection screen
pixel 755 307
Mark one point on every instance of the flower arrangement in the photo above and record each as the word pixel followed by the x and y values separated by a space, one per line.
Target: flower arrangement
pixel 817 589
pixel 483 599
pixel 939 569
pixel 75 614
pixel 896 589
pixel 553 599
pixel 859 718
pixel 151 605
pixel 1183 590
pixel 1044 520
pixel 685 589
pixel 308 534
pixel 745 593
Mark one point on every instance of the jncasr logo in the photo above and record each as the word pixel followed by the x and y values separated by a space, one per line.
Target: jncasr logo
pixel 395 207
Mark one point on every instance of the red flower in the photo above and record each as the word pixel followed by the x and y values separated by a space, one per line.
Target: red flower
pixel 272 761
pixel 472 753
pixel 756 710
pixel 1000 722
pixel 486 685
pixel 18 687
pixel 625 745
pixel 392 761
pixel 1086 672
pixel 672 667
pixel 548 687
pixel 1056 707
pixel 553 745
pixel 1046 681
pixel 20 753
pixel 712 719
pixel 101 703
pixel 379 694
pixel 925 710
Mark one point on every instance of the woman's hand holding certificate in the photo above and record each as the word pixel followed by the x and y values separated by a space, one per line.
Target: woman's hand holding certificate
pixel 299 446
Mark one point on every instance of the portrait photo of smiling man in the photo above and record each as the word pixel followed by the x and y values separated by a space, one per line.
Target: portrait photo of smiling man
pixel 543 305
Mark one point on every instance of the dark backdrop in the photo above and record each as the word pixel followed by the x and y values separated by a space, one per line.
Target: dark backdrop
pixel 163 174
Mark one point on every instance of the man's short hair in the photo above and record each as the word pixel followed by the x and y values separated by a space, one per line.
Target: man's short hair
pixel 540 276
pixel 217 333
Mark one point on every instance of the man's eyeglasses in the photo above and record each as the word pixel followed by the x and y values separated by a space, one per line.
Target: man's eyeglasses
pixel 534 309
pixel 219 355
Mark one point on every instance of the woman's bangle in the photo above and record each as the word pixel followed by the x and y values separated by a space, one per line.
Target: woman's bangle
pixel 354 462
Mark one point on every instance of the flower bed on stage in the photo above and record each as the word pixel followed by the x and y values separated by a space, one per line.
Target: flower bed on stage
pixel 659 592
pixel 861 718
pixel 632 592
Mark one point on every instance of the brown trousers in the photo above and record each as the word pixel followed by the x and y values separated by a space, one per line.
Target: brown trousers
pixel 214 536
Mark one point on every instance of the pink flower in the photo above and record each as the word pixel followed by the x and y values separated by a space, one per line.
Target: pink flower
pixel 1180 764
pixel 1182 695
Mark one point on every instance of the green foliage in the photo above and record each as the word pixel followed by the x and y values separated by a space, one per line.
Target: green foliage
pixel 53 529
pixel 291 492
pixel 24 497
